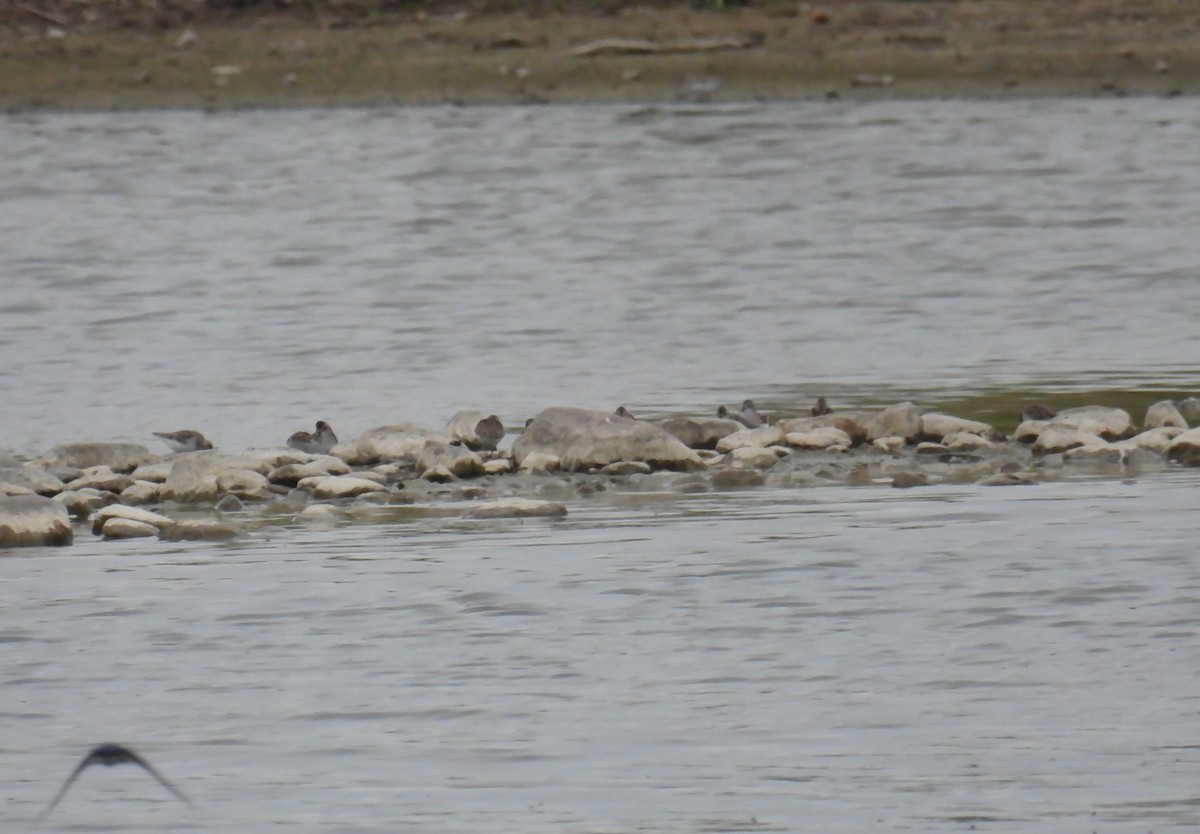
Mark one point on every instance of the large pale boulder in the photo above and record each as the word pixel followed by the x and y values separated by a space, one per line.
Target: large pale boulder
pixel 203 477
pixel 824 437
pixel 1164 413
pixel 899 420
pixel 935 426
pixel 156 520
pixel 854 425
pixel 1105 422
pixel 584 439
pixel 119 457
pixel 127 528
pixel 32 478
pixel 1063 438
pixel 699 432
pixel 385 443
pixel 756 438
pixel 1186 448
pixel 33 521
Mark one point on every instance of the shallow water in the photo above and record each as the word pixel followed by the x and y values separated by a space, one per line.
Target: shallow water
pixel 828 659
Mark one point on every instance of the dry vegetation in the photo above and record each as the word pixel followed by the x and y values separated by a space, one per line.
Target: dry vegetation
pixel 222 53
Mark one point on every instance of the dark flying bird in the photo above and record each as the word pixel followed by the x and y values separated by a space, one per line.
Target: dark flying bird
pixel 111 754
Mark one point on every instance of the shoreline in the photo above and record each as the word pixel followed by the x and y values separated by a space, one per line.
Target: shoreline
pixel 857 51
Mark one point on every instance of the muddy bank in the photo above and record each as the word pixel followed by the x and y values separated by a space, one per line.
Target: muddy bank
pixel 180 55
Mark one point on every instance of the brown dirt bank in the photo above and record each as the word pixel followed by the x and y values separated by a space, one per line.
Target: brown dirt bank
pixel 234 53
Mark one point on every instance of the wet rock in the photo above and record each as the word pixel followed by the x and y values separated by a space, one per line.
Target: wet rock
pixel 584 440
pixel 1061 438
pixel 753 457
pixel 624 468
pixel 853 425
pixel 385 443
pixel 142 492
pixel 83 502
pixel 1102 452
pixel 899 420
pixel 1189 408
pixel 32 478
pixel 737 477
pixel 340 486
pixel 321 514
pixel 119 457
pixel 498 466
pixel 517 508
pixel 229 503
pixel 156 520
pixel 925 448
pixel 936 427
pixel 891 445
pixel 1155 440
pixel 127 528
pixel 293 473
pixel 824 437
pixel 699 432
pixel 33 521
pixel 1107 423
pixel 1008 479
pixel 907 480
pixel 757 438
pixel 1164 413
pixel 101 478
pixel 457 460
pixel 197 529
pixel 1185 448
pixel 1030 430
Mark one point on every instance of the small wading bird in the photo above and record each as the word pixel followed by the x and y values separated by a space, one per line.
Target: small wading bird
pixel 488 433
pixel 748 416
pixel 184 441
pixel 109 755
pixel 1037 411
pixel 622 411
pixel 319 442
pixel 821 408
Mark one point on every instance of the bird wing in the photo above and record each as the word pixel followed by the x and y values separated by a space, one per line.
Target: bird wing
pixel 79 768
pixel 146 766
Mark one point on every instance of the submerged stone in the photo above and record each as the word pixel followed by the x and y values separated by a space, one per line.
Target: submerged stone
pixel 517 508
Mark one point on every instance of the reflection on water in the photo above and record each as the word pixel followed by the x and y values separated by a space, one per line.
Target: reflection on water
pixel 837 660
pixel 247 273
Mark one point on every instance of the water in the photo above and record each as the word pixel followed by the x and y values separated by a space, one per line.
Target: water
pixel 828 659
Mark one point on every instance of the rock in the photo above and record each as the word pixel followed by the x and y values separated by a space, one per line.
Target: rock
pixel 935 427
pixel 754 457
pixel 156 472
pixel 1107 423
pixel 1060 438
pixel 265 461
pixel 142 492
pixel 340 486
pixel 291 474
pixel 1184 449
pixel 823 437
pixel 925 448
pixel 1103 452
pixel 625 468
pixel 194 529
pixel 853 425
pixel 321 514
pixel 517 508
pixel 101 478
pixel 584 440
pixel 1164 413
pixel 127 528
pixel 758 438
pixel 119 457
pixel 737 477
pixel 386 443
pixel 13 489
pixel 1007 479
pixel 892 445
pixel 1030 430
pixel 155 520
pixel 907 480
pixel 458 460
pixel 439 474
pixel 244 483
pixel 229 503
pixel 1154 440
pixel 899 420
pixel 967 442
pixel 699 432
pixel 32 478
pixel 193 478
pixel 540 463
pixel 33 521
pixel 1189 408
pixel 498 466
pixel 82 502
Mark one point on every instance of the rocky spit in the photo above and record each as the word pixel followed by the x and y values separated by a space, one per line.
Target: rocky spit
pixel 563 455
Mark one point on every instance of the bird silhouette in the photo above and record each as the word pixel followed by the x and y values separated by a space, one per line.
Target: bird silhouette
pixel 109 755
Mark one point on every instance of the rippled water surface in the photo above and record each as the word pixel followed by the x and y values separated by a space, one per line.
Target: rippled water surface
pixel 826 659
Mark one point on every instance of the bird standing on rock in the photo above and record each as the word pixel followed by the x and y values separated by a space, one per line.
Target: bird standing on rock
pixel 109 755
pixel 488 433
pixel 186 440
pixel 821 408
pixel 748 416
pixel 319 442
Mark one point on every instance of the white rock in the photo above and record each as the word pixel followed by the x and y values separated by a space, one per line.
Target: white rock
pixel 321 514
pixel 120 457
pixel 127 528
pixel 33 521
pixel 899 420
pixel 81 502
pixel 1107 423
pixel 155 520
pixel 854 425
pixel 291 474
pixel 1164 413
pixel 498 466
pixel 244 483
pixel 753 457
pixel 585 440
pixel 1155 440
pixel 101 478
pixel 540 463
pixel 757 438
pixel 889 444
pixel 967 442
pixel 823 437
pixel 1061 438
pixel 31 477
pixel 386 443
pixel 936 426
pixel 1186 448
pixel 326 487
pixel 142 492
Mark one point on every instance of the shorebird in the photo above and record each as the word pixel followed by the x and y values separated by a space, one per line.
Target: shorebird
pixel 184 441
pixel 109 755
pixel 821 408
pixel 622 411
pixel 1037 411
pixel 748 416
pixel 319 442
pixel 488 433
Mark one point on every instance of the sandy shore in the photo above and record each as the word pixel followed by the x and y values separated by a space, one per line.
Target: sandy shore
pixel 53 56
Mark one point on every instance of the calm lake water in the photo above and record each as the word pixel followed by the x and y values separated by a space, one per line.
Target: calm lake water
pixel 827 659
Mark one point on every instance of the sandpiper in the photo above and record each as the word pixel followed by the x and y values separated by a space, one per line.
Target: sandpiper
pixel 185 440
pixel 821 408
pixel 622 411
pixel 109 755
pixel 488 433
pixel 1037 411
pixel 319 442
